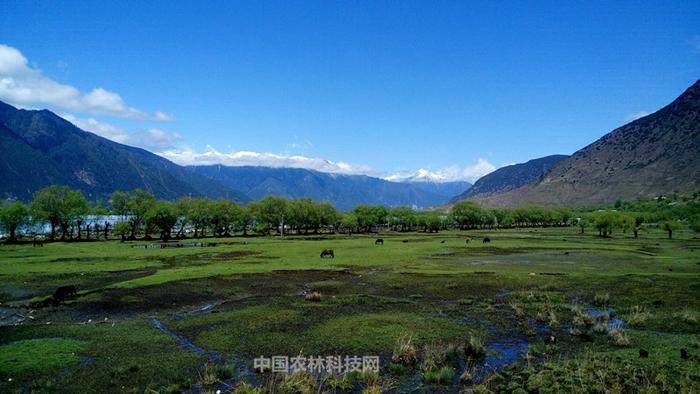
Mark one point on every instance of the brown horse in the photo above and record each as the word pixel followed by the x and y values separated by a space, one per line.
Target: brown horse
pixel 327 253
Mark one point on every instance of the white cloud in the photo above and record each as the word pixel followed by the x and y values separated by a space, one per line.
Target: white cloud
pixel 634 116
pixel 25 86
pixel 448 174
pixel 157 139
pixel 102 129
pixel 152 139
pixel 264 159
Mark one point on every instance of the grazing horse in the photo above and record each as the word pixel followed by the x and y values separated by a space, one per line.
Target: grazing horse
pixel 379 241
pixel 64 292
pixel 487 240
pixel 405 241
pixel 37 242
pixel 327 253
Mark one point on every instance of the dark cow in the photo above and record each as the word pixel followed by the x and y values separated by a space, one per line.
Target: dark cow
pixel 684 354
pixel 487 240
pixel 64 292
pixel 327 253
pixel 643 353
pixel 379 241
pixel 37 242
pixel 442 242
pixel 405 241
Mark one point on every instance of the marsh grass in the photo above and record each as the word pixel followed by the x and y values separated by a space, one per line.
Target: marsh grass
pixel 687 316
pixel 619 337
pixel 442 375
pixel 601 300
pixel 404 352
pixel 474 347
pixel 638 316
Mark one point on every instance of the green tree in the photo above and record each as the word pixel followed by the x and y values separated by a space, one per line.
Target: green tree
pixel 433 221
pixel 270 213
pixel 402 218
pixel 59 206
pixel 122 230
pixel 605 221
pixel 467 214
pixel 163 215
pixel 199 215
pixel 12 217
pixel 369 216
pixel 348 222
pixel 225 216
pixel 695 224
pixel 669 226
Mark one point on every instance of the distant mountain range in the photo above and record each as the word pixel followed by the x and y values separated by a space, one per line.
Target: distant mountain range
pixel 658 154
pixel 510 177
pixel 39 148
pixel 344 191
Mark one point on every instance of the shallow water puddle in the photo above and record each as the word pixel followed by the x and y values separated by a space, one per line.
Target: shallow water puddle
pixel 174 245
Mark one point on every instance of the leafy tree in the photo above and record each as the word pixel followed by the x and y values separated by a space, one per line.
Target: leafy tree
pixel 402 218
pixel 330 216
pixel 60 206
pixel 627 222
pixel 199 214
pixel 162 215
pixel 433 221
pixel 467 214
pixel 369 216
pixel 695 224
pixel 119 201
pixel 13 216
pixel 225 215
pixel 270 213
pixel 122 230
pixel 669 226
pixel 132 207
pixel 605 221
pixel 349 222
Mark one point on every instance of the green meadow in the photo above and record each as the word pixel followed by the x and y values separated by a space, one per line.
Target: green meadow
pixel 534 310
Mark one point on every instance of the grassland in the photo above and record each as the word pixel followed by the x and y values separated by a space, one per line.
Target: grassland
pixel 554 310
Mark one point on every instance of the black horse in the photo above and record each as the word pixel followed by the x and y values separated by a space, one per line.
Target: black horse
pixel 63 292
pixel 487 240
pixel 379 241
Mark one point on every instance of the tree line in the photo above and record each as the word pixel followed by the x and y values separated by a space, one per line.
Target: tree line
pixel 70 216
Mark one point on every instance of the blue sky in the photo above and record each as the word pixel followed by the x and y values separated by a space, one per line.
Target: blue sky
pixel 376 87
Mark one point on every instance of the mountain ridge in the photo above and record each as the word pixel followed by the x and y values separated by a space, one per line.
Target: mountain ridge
pixel 343 190
pixel 39 148
pixel 654 155
pixel 510 177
